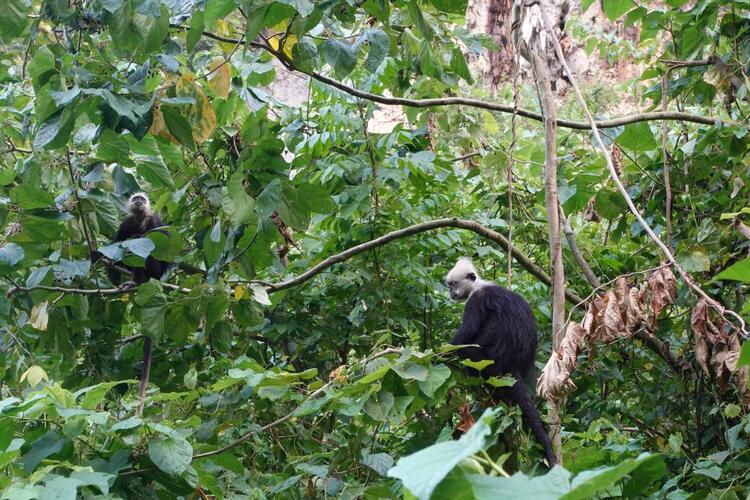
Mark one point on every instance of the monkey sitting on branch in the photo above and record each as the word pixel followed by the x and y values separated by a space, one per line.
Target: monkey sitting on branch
pixel 501 323
pixel 139 221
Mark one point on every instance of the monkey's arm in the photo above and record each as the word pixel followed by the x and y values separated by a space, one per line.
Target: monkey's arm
pixel 125 231
pixel 471 324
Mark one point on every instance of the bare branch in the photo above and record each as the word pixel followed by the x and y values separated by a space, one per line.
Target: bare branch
pixel 475 227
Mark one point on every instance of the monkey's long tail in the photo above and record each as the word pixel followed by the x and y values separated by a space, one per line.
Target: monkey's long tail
pixel 145 371
pixel 519 394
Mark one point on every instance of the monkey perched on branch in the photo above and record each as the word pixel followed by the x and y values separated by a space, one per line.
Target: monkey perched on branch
pixel 139 221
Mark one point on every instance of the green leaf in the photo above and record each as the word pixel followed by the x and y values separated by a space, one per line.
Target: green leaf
pixel 10 255
pixel 218 9
pixel 268 200
pixel 428 62
pixel 616 8
pixel 113 147
pixel 142 247
pixel 549 486
pixel 168 243
pixel 744 359
pixel 236 203
pixel 178 126
pixel 48 444
pixel 380 47
pixel 416 15
pixel 340 56
pixel 55 130
pixel 638 137
pixel 422 471
pixel 436 377
pixel 172 454
pixel 256 21
pixel 41 65
pixel 94 395
pixel 153 309
pixel 696 261
pixel 195 32
pixel 739 271
pixel 459 65
pixel 590 482
pixel 305 55
pixel 452 6
pixel 13 19
pixel 304 7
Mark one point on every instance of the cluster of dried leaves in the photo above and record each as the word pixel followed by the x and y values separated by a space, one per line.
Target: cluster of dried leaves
pixel 717 352
pixel 619 313
pixel 623 311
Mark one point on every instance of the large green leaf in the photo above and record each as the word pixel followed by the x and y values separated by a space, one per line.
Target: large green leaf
pixel 422 471
pixel 340 55
pixel 178 126
pixel 739 271
pixel 172 454
pixel 237 204
pixel 452 6
pixel 13 18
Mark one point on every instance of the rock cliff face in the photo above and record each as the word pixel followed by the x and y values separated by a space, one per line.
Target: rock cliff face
pixel 493 68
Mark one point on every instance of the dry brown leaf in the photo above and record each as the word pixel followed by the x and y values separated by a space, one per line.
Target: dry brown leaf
pixel 663 289
pixel 467 421
pixel 201 115
pixel 636 315
pixel 614 327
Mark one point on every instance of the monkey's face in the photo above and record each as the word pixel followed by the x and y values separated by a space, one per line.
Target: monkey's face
pixel 138 205
pixel 460 289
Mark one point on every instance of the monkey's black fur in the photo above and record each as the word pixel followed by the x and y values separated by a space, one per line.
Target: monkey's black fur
pixel 502 324
pixel 136 226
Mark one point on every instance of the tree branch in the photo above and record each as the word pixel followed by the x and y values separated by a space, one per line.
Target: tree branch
pixel 469 225
pixel 475 103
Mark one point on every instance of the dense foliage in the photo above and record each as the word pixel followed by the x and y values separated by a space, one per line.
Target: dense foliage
pixel 340 384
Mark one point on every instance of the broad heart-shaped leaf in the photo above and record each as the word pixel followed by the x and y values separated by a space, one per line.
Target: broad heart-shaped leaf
pixel 638 137
pixel 739 271
pixel 178 126
pixel 422 471
pixel 305 54
pixel 172 454
pixel 237 204
pixel 142 247
pixel 153 309
pixel 41 65
pixel 340 55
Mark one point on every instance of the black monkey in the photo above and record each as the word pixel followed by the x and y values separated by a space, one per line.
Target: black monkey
pixel 139 221
pixel 502 324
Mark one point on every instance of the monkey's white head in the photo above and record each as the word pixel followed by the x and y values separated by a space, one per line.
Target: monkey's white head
pixel 138 204
pixel 463 279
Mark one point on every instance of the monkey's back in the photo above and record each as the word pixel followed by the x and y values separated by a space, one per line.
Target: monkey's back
pixel 508 334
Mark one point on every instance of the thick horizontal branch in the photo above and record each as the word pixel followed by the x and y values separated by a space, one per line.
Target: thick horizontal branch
pixel 463 101
pixel 87 291
pixel 469 225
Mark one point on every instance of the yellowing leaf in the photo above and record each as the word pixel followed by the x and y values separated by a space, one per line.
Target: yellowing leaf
pixel 34 375
pixel 40 316
pixel 201 116
pixel 220 77
pixel 289 42
pixel 240 291
pixel 225 29
pixel 159 126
